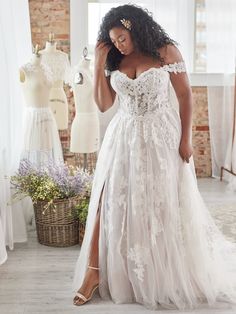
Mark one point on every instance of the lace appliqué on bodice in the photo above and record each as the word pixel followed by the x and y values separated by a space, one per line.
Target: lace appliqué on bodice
pixel 145 101
pixel 59 65
pixel 32 69
pixel 148 92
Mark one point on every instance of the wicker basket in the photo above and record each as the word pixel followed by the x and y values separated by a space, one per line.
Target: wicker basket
pixel 57 227
pixel 81 232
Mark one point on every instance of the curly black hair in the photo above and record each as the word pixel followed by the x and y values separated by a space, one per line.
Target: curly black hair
pixel 147 35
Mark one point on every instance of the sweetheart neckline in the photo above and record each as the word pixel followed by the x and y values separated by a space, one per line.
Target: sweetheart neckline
pixel 164 67
pixel 144 72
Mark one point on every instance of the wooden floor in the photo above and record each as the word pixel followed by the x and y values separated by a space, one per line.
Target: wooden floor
pixel 38 279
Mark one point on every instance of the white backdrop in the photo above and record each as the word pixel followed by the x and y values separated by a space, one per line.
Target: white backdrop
pixel 221 48
pixel 15 49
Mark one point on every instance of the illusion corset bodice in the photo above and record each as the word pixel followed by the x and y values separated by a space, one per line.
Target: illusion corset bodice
pixel 146 94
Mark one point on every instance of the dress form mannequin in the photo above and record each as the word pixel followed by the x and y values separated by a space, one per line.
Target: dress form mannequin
pixel 85 126
pixel 58 62
pixel 41 138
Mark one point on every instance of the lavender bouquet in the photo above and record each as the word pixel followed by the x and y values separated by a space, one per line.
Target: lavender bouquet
pixel 51 182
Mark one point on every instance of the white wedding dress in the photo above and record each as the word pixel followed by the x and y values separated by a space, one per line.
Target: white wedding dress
pixel 158 244
pixel 41 139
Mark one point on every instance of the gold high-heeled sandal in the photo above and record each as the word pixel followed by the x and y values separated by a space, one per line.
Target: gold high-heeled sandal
pixel 81 296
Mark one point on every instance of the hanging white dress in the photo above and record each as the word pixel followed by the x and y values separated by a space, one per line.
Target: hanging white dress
pixel 158 244
pixel 41 139
pixel 59 65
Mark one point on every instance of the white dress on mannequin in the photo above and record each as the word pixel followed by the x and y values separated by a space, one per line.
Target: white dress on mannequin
pixel 158 244
pixel 85 126
pixel 41 138
pixel 59 64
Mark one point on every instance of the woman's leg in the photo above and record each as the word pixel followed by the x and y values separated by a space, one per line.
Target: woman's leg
pixel 92 275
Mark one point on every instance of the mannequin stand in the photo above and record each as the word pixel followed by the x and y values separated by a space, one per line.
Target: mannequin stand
pixel 85 161
pixel 227 170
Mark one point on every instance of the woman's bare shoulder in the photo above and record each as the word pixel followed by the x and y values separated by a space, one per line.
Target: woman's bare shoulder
pixel 170 54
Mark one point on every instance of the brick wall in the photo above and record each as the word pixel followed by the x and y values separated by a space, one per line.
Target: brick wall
pixel 201 134
pixel 54 16
pixel 50 16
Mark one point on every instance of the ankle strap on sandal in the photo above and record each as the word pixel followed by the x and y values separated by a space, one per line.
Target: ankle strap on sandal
pixel 97 268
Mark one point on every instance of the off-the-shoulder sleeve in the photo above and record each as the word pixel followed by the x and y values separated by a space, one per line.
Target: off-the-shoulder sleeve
pixel 176 67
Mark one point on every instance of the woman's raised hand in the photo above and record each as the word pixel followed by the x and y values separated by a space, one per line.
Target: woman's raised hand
pixel 101 52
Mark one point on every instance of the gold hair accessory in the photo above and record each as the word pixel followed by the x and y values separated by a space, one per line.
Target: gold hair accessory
pixel 127 24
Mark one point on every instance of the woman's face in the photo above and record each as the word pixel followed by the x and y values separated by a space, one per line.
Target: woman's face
pixel 121 38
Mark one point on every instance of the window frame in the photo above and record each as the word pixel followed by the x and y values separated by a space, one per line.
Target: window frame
pixel 81 22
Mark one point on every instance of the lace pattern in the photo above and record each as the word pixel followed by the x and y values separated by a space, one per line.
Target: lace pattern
pixel 147 93
pixel 41 138
pixel 32 69
pixel 176 67
pixel 59 64
pixel 137 254
pixel 158 244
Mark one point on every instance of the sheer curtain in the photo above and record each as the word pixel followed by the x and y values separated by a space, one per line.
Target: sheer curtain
pixel 15 49
pixel 221 48
pixel 177 18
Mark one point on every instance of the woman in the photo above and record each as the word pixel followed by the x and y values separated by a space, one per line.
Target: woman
pixel 149 237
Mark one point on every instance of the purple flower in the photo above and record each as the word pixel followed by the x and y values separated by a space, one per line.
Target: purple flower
pixel 70 181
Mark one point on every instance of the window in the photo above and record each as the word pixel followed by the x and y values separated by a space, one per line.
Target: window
pixel 200 37
pixel 176 17
pixel 191 23
pixel 96 11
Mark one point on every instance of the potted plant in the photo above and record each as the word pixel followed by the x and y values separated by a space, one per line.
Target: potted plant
pixel 55 190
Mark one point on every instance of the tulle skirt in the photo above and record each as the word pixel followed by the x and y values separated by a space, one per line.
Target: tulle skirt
pixel 158 244
pixel 41 138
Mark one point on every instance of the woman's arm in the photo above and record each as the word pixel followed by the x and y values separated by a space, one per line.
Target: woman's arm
pixel 104 94
pixel 183 92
